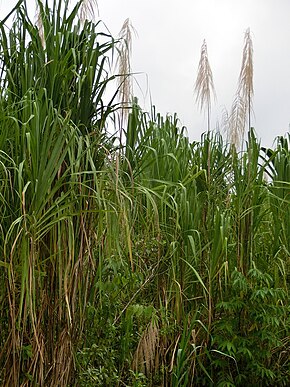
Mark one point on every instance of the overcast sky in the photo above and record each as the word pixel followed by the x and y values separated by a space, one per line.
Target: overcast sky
pixel 166 53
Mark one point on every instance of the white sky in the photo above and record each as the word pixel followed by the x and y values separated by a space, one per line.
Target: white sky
pixel 167 51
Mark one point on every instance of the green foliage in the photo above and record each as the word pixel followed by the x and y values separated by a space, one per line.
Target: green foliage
pixel 252 324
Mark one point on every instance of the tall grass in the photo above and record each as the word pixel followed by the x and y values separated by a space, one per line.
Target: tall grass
pixel 53 150
pixel 160 262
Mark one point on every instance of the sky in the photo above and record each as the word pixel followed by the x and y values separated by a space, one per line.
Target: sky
pixel 166 52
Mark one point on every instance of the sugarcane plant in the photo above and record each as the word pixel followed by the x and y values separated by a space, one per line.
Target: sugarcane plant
pixel 53 147
pixel 141 258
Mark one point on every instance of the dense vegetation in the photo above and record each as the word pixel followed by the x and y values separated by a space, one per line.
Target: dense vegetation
pixel 157 262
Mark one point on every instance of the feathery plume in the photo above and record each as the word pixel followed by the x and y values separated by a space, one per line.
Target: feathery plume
pixel 242 105
pixel 246 74
pixel 87 10
pixel 39 24
pixel 236 121
pixel 124 67
pixel 204 86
